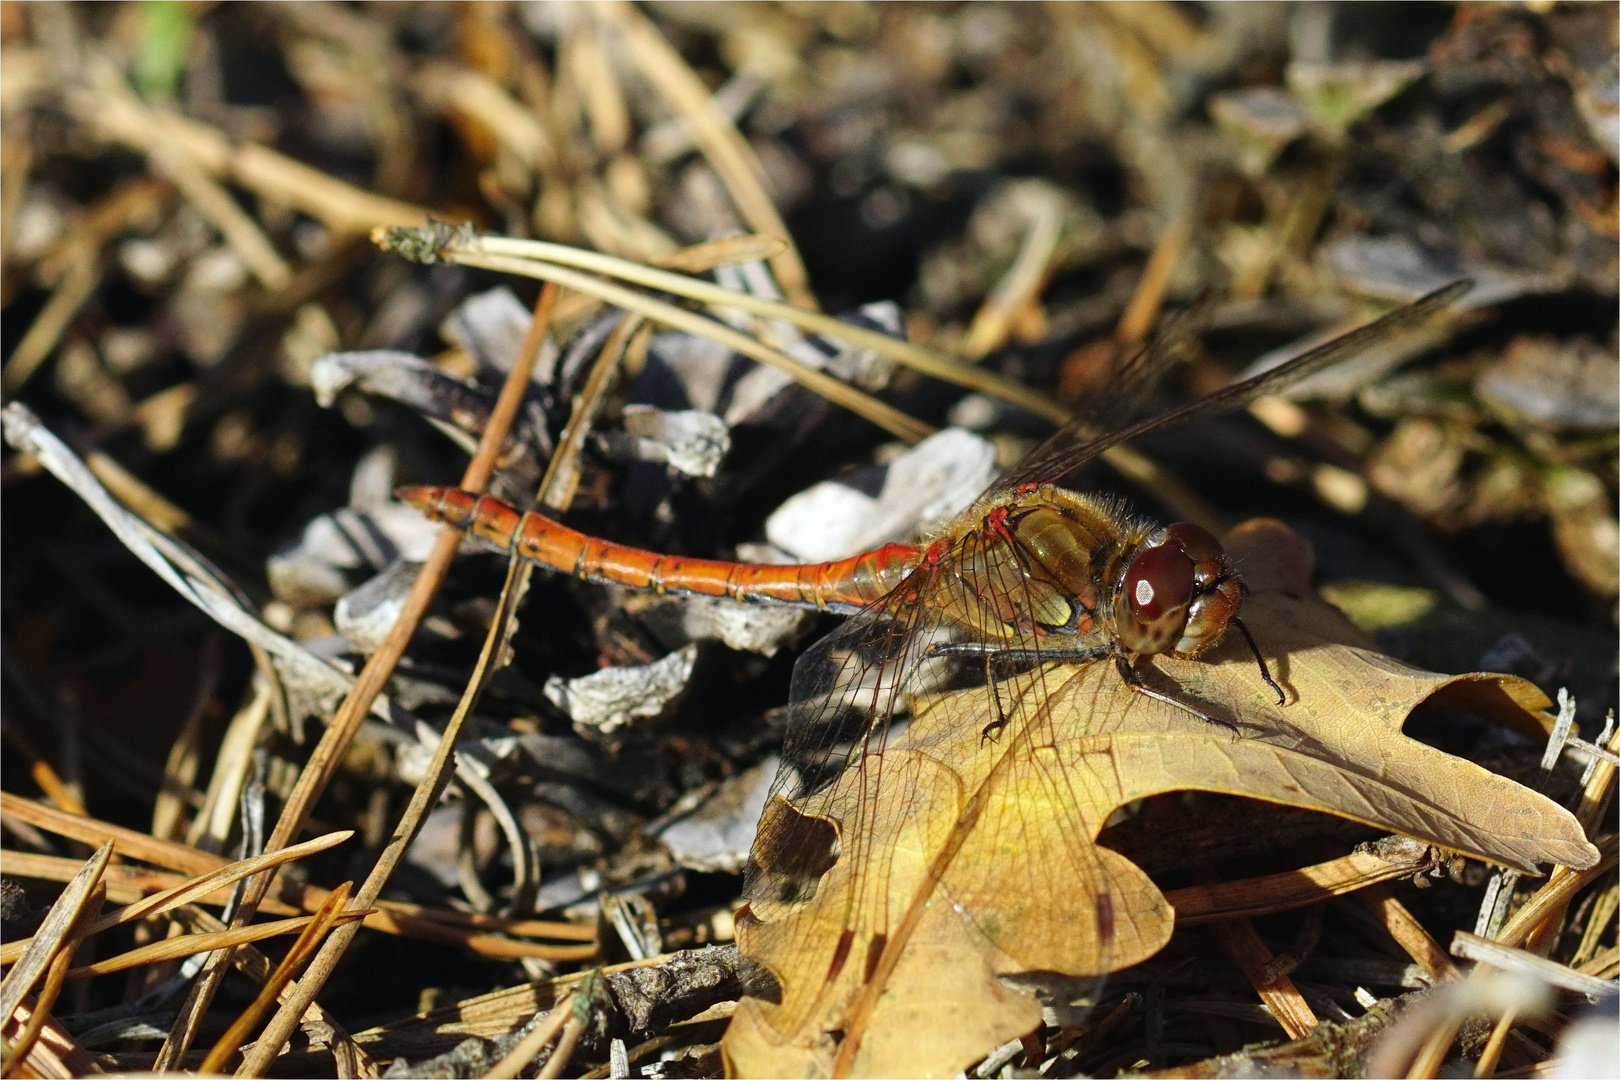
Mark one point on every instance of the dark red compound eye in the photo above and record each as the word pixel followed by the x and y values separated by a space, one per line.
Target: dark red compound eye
pixel 1158 581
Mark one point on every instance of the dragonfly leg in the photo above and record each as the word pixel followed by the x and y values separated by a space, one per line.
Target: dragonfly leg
pixel 1133 679
pixel 993 728
pixel 994 655
pixel 1265 672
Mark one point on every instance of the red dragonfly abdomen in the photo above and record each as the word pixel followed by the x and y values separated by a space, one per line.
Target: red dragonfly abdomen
pixel 844 585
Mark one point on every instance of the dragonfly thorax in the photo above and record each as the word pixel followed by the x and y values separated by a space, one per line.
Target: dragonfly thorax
pixel 1051 564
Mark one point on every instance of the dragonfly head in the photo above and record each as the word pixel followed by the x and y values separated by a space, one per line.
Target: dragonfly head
pixel 1177 595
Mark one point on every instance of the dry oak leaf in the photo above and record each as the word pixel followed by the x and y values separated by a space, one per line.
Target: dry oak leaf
pixel 979 860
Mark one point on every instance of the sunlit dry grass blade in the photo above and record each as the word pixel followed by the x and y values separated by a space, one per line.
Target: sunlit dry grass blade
pixel 917 358
pixel 267 173
pixel 523 1053
pixel 56 976
pixel 1292 889
pixel 1242 944
pixel 1468 946
pixel 131 844
pixel 456 87
pixel 321 923
pixel 48 939
pixel 727 251
pixel 840 393
pixel 486 935
pixel 250 962
pixel 178 948
pixel 157 904
pixel 561 478
pixel 1020 287
pixel 54 1053
pixel 41 771
pixel 47 328
pixel 126 883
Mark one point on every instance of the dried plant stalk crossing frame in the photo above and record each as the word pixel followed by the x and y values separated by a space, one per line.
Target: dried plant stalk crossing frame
pixel 437 773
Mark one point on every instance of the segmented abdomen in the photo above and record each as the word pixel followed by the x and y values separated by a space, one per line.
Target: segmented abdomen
pixel 844 585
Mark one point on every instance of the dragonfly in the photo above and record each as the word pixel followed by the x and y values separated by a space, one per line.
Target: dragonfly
pixel 1031 577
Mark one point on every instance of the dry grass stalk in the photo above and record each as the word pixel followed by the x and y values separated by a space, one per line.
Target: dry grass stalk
pixel 1241 942
pixel 50 954
pixel 438 772
pixel 350 1057
pixel 890 419
pixel 1408 933
pixel 558 1061
pixel 1532 922
pixel 58 925
pixel 922 360
pixel 178 948
pixel 1019 289
pixel 46 330
pixel 1249 897
pixel 41 772
pixel 486 935
pixel 561 479
pixel 267 173
pixel 320 924
pixel 192 890
pixel 56 975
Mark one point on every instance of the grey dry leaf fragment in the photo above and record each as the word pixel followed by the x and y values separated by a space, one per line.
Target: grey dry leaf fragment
pixel 414 383
pixel 756 628
pixel 1553 385
pixel 603 702
pixel 366 614
pixel 491 327
pixel 689 441
pixel 717 836
pixel 924 487
pixel 339 550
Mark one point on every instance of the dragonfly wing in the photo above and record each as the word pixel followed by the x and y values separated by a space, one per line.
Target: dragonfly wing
pixel 922 827
pixel 1125 394
pixel 1027 872
pixel 1059 455
pixel 847 691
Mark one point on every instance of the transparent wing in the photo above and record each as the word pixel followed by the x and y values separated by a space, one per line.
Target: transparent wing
pixel 919 763
pixel 1060 454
